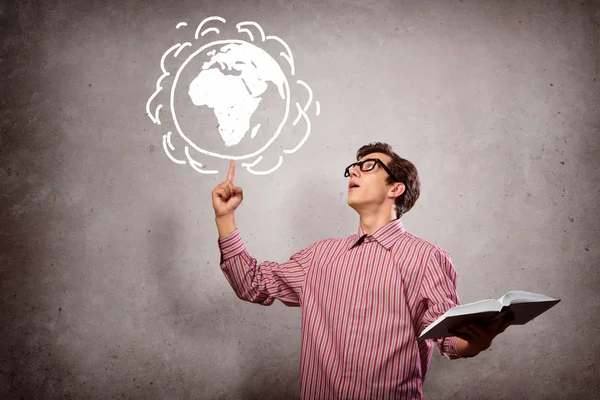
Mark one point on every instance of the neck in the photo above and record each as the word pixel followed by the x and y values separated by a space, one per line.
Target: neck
pixel 373 221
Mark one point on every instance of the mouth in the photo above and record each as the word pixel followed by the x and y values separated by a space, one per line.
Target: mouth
pixel 352 185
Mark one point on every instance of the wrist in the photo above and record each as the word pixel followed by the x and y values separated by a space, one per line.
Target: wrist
pixel 463 348
pixel 225 224
pixel 225 218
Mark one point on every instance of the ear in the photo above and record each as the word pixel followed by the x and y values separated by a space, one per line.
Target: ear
pixel 397 189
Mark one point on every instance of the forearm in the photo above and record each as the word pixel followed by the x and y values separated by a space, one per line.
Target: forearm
pixel 225 225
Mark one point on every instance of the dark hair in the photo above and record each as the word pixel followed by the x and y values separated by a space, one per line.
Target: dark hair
pixel 402 169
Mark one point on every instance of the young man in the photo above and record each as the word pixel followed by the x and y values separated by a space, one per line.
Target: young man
pixel 365 298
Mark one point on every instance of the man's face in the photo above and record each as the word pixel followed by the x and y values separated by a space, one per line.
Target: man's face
pixel 369 189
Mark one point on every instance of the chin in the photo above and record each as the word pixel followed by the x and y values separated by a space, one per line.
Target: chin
pixel 352 202
pixel 352 206
pixel 349 201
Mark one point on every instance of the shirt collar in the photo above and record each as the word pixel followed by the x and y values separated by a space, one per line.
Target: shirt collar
pixel 387 235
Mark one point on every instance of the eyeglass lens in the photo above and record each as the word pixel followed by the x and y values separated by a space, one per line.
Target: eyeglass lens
pixel 365 166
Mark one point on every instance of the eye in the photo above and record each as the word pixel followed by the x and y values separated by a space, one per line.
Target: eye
pixel 368 165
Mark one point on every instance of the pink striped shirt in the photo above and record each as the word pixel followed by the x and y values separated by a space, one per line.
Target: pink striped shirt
pixel 364 303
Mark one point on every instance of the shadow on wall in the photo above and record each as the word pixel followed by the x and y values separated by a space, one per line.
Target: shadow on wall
pixel 193 317
pixel 187 298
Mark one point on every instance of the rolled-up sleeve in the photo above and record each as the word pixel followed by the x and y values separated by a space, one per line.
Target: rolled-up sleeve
pixel 438 289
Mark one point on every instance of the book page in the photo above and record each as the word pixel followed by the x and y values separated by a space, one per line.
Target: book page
pixel 519 296
pixel 443 326
pixel 475 307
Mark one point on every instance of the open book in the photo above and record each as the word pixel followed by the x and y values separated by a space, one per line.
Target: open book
pixel 524 306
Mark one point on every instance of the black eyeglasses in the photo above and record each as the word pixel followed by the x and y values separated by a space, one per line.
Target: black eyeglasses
pixel 368 165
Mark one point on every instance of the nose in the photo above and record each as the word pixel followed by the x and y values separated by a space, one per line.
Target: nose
pixel 355 171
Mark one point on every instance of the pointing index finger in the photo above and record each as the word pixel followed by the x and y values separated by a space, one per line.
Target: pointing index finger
pixel 231 172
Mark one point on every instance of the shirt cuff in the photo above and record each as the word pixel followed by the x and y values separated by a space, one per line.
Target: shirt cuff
pixel 449 348
pixel 231 245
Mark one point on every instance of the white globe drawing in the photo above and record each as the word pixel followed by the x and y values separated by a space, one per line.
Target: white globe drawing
pixel 235 97
pixel 231 83
pixel 230 99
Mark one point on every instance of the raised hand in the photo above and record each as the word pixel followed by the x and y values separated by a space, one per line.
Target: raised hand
pixel 226 197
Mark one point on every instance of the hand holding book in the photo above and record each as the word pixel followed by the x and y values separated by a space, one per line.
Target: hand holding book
pixel 521 307
pixel 478 337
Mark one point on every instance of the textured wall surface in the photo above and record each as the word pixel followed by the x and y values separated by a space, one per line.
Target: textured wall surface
pixel 110 284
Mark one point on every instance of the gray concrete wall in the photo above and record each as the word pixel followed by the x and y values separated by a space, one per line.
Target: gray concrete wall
pixel 110 285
